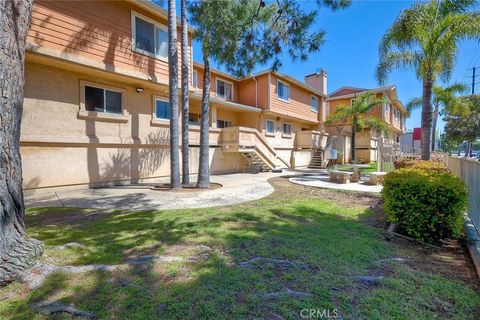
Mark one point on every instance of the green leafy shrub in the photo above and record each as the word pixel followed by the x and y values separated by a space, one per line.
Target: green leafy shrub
pixel 426 204
pixel 420 164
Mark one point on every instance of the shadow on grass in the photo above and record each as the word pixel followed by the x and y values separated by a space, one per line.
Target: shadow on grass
pixel 326 241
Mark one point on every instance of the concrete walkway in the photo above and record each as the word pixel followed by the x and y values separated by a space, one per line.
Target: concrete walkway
pixel 237 188
pixel 322 181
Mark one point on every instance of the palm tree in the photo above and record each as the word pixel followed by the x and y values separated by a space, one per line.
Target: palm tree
pixel 240 34
pixel 355 113
pixel 185 102
pixel 442 97
pixel 425 38
pixel 173 96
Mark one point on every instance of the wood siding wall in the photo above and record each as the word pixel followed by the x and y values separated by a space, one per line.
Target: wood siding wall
pixel 213 82
pixel 377 112
pixel 247 90
pixel 95 33
pixel 299 104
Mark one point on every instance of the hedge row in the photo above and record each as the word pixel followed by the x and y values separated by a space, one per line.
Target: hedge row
pixel 425 200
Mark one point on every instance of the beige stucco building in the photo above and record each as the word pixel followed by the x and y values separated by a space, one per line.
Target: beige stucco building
pixel 96 102
pixel 366 141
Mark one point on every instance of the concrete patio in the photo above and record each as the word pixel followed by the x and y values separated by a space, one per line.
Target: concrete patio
pixel 322 180
pixel 236 188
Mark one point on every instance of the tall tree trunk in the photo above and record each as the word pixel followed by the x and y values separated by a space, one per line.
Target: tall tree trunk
pixel 434 125
pixel 173 96
pixel 204 162
pixel 354 128
pixel 427 118
pixel 185 100
pixel 18 252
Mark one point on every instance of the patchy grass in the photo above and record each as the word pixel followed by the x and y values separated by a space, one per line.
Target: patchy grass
pixel 346 167
pixel 331 237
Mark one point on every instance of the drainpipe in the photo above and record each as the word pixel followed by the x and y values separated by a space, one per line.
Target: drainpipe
pixel 256 91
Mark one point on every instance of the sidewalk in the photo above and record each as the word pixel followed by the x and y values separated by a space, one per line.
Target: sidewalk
pixel 237 188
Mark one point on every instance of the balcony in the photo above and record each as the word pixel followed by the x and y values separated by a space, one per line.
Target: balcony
pixel 310 139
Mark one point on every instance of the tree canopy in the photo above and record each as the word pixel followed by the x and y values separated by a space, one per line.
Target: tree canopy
pixel 463 120
pixel 426 38
pixel 240 34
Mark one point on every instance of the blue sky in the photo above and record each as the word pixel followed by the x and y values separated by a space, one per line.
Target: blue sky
pixel 350 52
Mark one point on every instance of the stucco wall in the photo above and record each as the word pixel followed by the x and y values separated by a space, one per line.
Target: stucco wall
pixel 302 158
pixel 59 147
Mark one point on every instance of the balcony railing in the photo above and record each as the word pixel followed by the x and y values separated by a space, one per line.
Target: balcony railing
pixel 240 139
pixel 310 139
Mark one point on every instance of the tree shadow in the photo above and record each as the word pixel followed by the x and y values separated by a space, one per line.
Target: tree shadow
pixel 328 248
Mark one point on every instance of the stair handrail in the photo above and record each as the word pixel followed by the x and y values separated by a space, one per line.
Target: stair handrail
pixel 263 141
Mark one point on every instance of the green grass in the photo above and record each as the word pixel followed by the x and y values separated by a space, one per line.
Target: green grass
pixel 346 167
pixel 329 239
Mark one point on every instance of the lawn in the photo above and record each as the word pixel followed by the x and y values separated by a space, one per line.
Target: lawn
pixel 330 238
pixel 346 167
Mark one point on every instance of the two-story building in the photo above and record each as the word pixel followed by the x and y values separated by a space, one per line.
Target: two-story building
pixel 366 141
pixel 96 102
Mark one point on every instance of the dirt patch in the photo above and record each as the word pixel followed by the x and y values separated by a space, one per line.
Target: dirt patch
pixel 283 187
pixel 452 260
pixel 68 216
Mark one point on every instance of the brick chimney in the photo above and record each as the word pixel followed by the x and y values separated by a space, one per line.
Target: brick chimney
pixel 318 80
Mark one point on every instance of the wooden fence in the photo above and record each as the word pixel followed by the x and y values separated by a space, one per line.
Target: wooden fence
pixel 469 171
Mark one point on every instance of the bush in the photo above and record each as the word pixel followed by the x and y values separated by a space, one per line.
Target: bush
pixel 420 164
pixel 427 204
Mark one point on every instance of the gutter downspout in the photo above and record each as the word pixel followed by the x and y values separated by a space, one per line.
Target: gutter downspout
pixel 260 118
pixel 256 91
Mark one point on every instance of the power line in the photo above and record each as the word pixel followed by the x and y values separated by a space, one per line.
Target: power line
pixel 471 60
pixel 474 83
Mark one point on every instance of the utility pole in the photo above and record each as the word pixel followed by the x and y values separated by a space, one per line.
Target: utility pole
pixel 473 80
pixel 474 77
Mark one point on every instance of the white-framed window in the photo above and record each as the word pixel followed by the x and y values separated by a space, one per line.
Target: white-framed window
pixel 101 99
pixel 287 129
pixel 352 102
pixel 314 104
pixel 149 37
pixel 283 91
pixel 195 78
pixel 270 127
pixel 224 89
pixel 224 123
pixel 162 108
pixel 387 108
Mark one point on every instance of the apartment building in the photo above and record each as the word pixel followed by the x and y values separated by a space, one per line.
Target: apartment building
pixel 367 141
pixel 96 102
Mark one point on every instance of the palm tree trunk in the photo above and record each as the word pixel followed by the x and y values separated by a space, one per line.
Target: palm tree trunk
pixel 434 125
pixel 427 118
pixel 204 165
pixel 18 252
pixel 185 100
pixel 354 128
pixel 173 96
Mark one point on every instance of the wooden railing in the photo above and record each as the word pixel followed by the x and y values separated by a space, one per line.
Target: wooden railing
pixel 310 139
pixel 243 139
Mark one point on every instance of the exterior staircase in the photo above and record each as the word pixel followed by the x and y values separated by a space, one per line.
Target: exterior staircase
pixel 255 163
pixel 254 148
pixel 318 159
